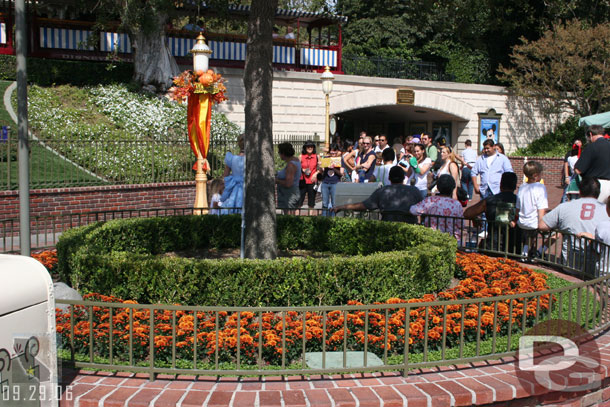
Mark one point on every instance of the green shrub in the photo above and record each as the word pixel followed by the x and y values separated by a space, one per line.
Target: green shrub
pixel 374 261
pixel 554 144
pixel 47 72
pixel 8 67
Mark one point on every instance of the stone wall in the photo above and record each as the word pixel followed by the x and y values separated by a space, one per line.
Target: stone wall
pixel 298 105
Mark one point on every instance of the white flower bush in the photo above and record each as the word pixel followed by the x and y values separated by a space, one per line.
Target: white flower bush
pixel 120 135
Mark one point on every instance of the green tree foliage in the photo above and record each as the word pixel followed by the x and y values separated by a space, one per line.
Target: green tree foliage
pixel 567 67
pixel 305 5
pixel 555 143
pixel 469 38
pixel 387 28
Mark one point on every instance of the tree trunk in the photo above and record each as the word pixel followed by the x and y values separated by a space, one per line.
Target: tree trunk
pixel 260 221
pixel 152 61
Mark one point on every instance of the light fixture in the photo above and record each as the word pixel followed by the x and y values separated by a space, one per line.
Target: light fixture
pixel 201 54
pixel 327 79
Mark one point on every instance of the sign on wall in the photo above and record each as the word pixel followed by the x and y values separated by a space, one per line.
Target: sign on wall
pixel 489 127
pixel 405 97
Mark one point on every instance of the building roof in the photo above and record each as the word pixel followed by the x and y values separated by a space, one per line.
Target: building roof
pixel 305 18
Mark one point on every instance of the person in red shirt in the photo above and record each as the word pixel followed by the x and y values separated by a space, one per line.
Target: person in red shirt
pixel 309 171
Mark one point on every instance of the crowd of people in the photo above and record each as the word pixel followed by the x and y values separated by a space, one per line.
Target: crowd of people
pixel 419 178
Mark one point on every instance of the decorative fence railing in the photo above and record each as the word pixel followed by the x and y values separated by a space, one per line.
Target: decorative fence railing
pixel 312 340
pixel 324 339
pixel 71 163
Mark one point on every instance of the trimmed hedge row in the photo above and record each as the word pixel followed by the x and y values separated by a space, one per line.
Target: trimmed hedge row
pixel 47 72
pixel 376 261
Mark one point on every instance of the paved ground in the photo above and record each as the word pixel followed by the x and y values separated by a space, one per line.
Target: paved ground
pixel 480 383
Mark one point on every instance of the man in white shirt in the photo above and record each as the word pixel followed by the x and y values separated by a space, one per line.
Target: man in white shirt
pixel 289 33
pixel 468 158
pixel 490 166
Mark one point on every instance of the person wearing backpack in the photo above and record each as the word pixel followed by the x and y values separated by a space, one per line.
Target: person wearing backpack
pixel 500 211
pixel 382 172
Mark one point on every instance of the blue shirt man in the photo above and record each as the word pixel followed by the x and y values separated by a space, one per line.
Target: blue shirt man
pixel 490 166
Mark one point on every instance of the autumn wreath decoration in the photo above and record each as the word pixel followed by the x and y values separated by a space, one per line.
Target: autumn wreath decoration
pixel 200 89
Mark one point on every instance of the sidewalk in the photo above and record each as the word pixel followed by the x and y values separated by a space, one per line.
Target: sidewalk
pixel 481 383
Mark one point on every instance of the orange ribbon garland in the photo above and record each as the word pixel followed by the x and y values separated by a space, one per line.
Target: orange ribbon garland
pixel 199 116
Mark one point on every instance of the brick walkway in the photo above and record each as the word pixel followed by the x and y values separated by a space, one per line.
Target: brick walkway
pixel 481 383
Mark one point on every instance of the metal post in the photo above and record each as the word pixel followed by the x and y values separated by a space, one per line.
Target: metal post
pixel 327 127
pixel 242 242
pixel 22 128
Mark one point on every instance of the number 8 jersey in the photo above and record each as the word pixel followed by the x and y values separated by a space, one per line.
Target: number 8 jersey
pixel 577 216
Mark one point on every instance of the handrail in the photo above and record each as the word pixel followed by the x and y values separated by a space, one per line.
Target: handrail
pixel 298 331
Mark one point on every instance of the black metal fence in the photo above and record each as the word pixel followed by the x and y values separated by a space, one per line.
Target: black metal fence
pixel 56 163
pixel 581 256
pixel 393 68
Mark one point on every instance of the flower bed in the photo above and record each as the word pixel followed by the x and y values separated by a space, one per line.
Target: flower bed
pixel 118 134
pixel 48 258
pixel 485 277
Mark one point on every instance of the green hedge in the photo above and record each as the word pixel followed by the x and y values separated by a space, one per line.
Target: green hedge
pixel 375 261
pixel 47 72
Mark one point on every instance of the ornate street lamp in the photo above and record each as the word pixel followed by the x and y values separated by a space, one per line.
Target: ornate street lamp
pixel 201 57
pixel 201 54
pixel 327 79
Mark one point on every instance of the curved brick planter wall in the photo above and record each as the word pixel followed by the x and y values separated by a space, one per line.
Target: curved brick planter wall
pixel 58 201
pixel 482 384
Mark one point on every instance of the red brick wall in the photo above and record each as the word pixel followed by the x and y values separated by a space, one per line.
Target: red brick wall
pixel 552 168
pixel 100 198
pixel 166 195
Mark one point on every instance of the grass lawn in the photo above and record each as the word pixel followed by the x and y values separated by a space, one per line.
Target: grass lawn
pixel 47 170
pixel 5 119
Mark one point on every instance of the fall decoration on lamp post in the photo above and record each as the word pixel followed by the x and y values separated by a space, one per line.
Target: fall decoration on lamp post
pixel 201 88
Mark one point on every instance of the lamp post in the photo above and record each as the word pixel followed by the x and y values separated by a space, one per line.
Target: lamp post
pixel 201 55
pixel 327 79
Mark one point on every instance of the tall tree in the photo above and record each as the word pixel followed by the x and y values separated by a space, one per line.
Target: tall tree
pixel 145 22
pixel 260 221
pixel 568 67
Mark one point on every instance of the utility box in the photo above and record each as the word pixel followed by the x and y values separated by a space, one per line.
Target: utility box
pixel 28 346
pixel 347 192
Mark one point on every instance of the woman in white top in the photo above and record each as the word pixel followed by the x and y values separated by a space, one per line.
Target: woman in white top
pixel 449 167
pixel 420 164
